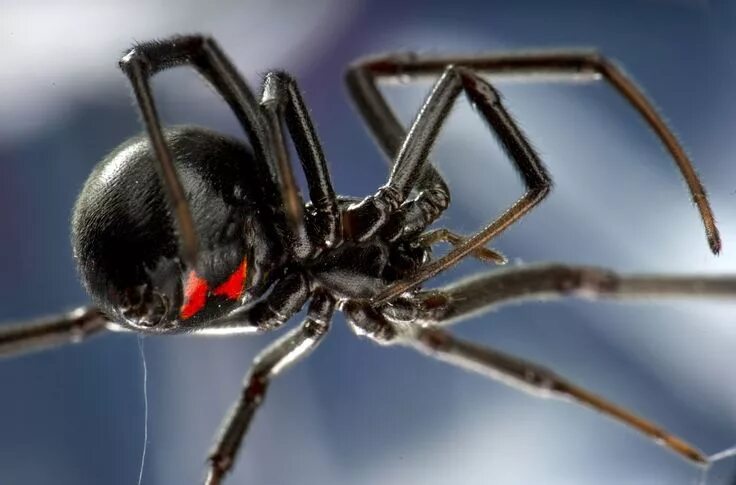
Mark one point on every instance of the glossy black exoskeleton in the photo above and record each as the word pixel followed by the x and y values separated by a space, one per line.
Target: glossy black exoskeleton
pixel 186 230
pixel 124 234
pixel 124 237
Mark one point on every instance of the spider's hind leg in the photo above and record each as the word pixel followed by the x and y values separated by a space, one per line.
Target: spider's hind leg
pixel 202 53
pixel 49 332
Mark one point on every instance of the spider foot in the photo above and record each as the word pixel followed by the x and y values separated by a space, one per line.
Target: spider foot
pixel 482 253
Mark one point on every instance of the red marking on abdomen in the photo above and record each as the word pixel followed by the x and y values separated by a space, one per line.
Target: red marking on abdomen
pixel 196 290
pixel 233 287
pixel 195 295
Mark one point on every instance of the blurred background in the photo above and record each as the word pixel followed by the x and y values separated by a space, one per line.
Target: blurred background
pixel 353 412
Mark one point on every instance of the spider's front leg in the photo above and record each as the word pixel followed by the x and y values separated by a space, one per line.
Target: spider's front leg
pixel 362 80
pixel 283 353
pixel 410 168
pixel 551 281
pixel 508 369
pixel 416 322
pixel 388 210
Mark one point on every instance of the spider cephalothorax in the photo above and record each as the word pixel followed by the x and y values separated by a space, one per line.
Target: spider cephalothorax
pixel 187 230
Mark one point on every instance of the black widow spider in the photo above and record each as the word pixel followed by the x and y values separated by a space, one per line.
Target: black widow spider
pixel 206 235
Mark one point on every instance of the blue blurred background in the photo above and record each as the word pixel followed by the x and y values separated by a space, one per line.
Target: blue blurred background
pixel 356 413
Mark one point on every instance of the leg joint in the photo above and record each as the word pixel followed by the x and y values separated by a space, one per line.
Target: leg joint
pixel 154 56
pixel 586 281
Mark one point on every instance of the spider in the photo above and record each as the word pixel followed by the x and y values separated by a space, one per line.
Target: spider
pixel 183 230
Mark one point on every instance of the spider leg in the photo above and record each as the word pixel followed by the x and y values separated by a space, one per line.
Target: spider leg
pixel 414 153
pixel 71 327
pixel 286 351
pixel 510 370
pixel 540 382
pixel 433 194
pixel 491 290
pixel 203 53
pixel 362 80
pixel 282 101
pixel 371 214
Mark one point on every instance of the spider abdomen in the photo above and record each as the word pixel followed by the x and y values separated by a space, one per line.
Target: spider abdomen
pixel 124 235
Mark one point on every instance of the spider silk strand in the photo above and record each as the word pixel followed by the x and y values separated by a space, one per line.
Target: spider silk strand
pixel 145 408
